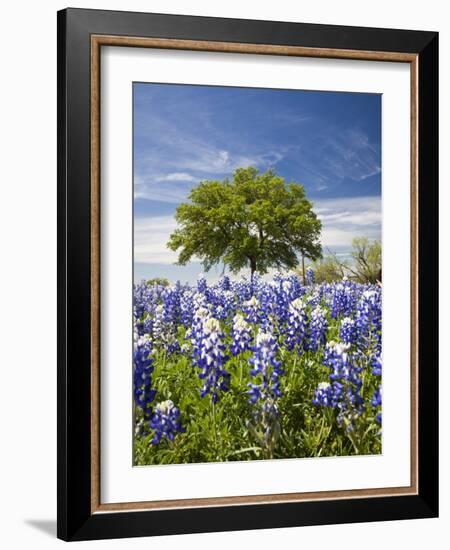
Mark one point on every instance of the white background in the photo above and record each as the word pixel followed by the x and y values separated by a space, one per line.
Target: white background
pixel 121 483
pixel 28 289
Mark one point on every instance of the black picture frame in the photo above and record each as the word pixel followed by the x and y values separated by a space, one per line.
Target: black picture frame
pixel 75 518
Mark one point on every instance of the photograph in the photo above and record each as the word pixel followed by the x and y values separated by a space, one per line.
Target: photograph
pixel 247 231
pixel 257 276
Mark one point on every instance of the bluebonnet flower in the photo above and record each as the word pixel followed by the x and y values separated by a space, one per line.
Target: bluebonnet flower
pixel 348 331
pixel 263 394
pixel 285 291
pixel 202 285
pixel 243 291
pixel 296 330
pixel 310 276
pixel 328 395
pixel 241 335
pixel 143 296
pixel 164 332
pixel 142 375
pixel 211 360
pixel 339 360
pixel 165 422
pixel 144 299
pixel 251 310
pixel 296 289
pixel 138 323
pixel 314 298
pixel 195 333
pixel 147 325
pixel 225 283
pixel 323 395
pixel 269 324
pixel 171 301
pixel 376 403
pixel 200 300
pixel 376 365
pixel 225 304
pixel 318 328
pixel 368 318
pixel 266 366
pixel 344 391
pixel 187 307
pixel 343 299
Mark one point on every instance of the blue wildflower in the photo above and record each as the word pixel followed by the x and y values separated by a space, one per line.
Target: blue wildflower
pixel 266 367
pixel 165 422
pixel 318 328
pixel 240 334
pixel 211 360
pixel 348 331
pixel 344 391
pixel 328 395
pixel 343 299
pixel 142 375
pixel 251 310
pixel 202 285
pixel 310 276
pixel 296 330
pixel 368 318
pixel 265 391
pixel 164 331
pixel 376 365
pixel 376 403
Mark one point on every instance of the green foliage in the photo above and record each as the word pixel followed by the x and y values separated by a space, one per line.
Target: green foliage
pixel 367 260
pixel 162 281
pixel 328 269
pixel 364 268
pixel 256 221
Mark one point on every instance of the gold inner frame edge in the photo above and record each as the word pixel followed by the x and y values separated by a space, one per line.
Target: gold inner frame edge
pixel 97 41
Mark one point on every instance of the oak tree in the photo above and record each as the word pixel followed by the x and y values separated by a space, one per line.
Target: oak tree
pixel 255 220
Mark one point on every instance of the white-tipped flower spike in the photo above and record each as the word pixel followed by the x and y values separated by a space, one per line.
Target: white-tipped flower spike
pixel 165 422
pixel 296 326
pixel 348 331
pixel 253 302
pixel 318 328
pixel 165 406
pixel 286 285
pixel 343 393
pixel 209 356
pixel 241 335
pixel 251 309
pixel 265 390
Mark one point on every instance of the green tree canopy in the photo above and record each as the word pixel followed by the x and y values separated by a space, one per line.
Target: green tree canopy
pixel 256 221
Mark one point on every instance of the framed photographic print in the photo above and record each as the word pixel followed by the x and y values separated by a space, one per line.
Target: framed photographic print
pixel 247 252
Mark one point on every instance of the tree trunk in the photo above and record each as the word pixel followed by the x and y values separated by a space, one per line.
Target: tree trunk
pixel 252 269
pixel 303 269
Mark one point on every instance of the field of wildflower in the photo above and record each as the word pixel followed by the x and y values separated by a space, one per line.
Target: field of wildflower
pixel 245 370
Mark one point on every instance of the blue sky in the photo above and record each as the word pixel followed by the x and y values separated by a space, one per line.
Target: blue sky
pixel 328 141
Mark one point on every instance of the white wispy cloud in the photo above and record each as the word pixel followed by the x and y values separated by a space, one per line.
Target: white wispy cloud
pixel 188 157
pixel 214 164
pixel 150 238
pixel 343 219
pixel 332 156
pixel 150 191
pixel 176 176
